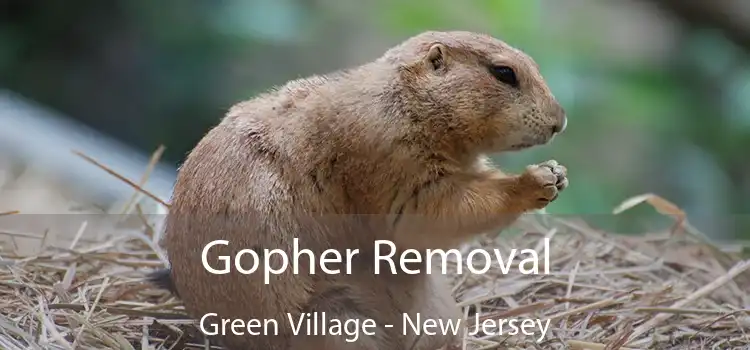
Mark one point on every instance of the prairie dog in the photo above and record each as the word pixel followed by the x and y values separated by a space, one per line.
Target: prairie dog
pixel 394 149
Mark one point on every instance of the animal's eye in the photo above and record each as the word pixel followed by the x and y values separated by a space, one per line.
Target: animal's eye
pixel 505 74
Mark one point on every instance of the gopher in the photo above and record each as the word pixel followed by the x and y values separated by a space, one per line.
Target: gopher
pixel 395 149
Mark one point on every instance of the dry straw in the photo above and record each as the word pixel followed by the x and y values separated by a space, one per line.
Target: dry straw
pixel 669 290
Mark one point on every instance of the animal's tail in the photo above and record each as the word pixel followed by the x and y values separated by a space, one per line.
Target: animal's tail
pixel 162 278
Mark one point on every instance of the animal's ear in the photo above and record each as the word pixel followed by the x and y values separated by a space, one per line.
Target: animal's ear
pixel 436 56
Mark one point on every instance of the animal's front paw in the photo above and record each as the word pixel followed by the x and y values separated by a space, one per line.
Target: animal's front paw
pixel 542 183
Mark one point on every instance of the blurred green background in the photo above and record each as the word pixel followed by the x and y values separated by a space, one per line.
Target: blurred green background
pixel 657 91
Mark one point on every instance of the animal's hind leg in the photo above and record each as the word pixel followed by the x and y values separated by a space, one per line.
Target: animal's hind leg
pixel 429 297
pixel 345 303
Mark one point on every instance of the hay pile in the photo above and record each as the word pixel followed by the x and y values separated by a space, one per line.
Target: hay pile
pixel 666 290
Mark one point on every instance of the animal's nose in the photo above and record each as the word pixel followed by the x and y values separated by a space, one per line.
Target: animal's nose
pixel 562 120
pixel 560 127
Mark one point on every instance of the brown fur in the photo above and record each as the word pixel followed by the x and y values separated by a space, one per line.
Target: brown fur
pixel 393 149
